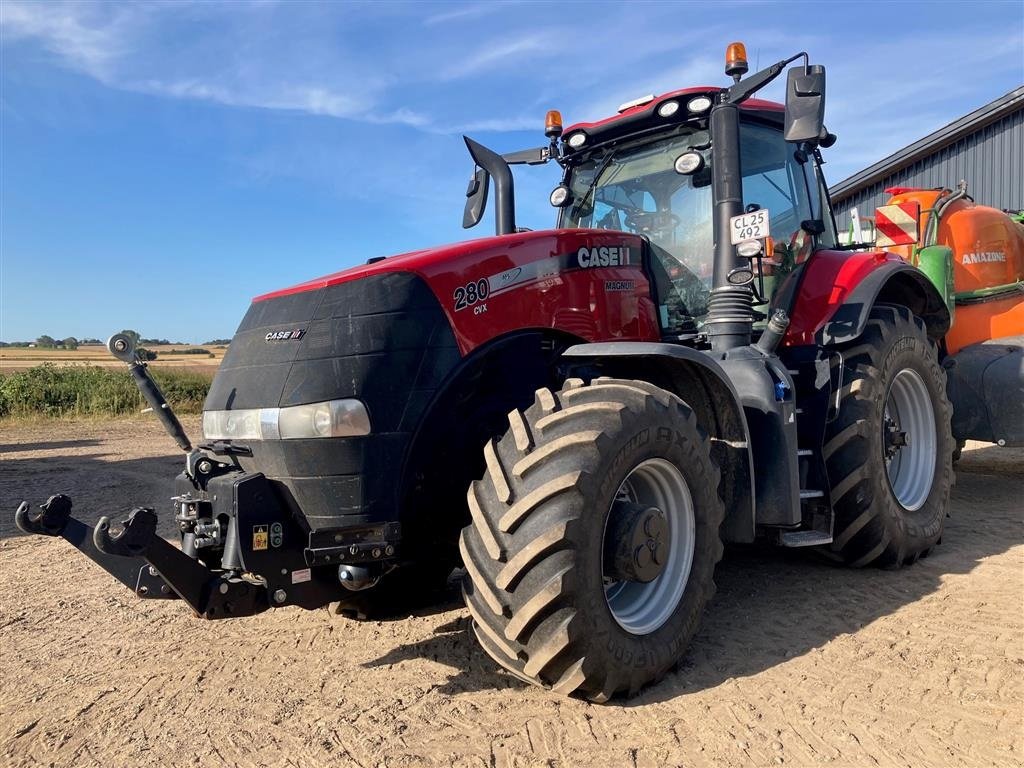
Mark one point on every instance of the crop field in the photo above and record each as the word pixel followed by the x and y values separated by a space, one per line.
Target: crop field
pixel 797 663
pixel 168 356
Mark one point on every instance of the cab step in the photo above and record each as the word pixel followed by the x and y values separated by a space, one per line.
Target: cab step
pixel 804 538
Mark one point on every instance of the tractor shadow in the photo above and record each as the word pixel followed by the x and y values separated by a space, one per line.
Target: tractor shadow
pixel 97 483
pixel 52 445
pixel 774 605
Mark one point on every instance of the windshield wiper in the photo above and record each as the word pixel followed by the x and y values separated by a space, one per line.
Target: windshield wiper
pixel 582 202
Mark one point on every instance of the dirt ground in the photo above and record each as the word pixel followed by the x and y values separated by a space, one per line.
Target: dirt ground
pixel 797 664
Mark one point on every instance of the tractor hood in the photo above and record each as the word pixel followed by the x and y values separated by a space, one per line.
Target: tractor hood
pixel 488 287
pixel 390 333
pixel 425 262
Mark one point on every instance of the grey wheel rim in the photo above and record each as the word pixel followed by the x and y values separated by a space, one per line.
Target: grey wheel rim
pixel 641 608
pixel 909 439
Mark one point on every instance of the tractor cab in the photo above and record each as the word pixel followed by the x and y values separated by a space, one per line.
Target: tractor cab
pixel 676 169
pixel 658 185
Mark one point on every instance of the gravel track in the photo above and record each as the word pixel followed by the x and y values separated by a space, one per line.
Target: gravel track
pixel 797 662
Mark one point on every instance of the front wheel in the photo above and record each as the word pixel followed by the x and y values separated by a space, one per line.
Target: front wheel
pixel 594 538
pixel 890 449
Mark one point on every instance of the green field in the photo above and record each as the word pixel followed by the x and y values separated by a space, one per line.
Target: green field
pixel 89 390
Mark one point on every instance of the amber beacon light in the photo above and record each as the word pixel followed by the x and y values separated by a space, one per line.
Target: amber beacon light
pixel 553 123
pixel 736 61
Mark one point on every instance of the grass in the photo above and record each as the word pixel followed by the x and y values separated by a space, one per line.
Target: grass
pixel 88 390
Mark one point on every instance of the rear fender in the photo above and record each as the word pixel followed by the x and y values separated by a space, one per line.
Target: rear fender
pixel 700 382
pixel 838 290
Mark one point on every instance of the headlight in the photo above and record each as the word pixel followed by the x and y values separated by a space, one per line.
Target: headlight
pixel 559 196
pixel 577 139
pixel 668 108
pixel 699 104
pixel 335 418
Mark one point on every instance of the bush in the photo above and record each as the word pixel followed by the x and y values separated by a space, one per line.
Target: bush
pixel 78 390
pixel 189 351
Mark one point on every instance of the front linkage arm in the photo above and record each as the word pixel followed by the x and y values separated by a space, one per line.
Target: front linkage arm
pixel 55 519
pixel 145 562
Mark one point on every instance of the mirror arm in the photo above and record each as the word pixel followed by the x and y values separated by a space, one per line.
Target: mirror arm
pixel 744 89
pixel 535 156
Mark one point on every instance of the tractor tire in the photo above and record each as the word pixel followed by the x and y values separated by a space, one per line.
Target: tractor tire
pixel 889 451
pixel 580 478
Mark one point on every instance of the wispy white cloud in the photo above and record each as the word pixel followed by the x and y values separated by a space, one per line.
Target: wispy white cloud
pixel 464 13
pixel 469 73
pixel 85 42
pixel 497 53
pixel 121 48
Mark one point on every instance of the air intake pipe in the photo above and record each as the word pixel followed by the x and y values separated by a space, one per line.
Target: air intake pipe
pixel 504 192
pixel 777 325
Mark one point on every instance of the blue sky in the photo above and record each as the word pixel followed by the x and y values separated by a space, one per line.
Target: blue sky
pixel 161 163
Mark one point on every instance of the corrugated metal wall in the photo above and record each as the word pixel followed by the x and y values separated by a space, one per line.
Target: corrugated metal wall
pixel 991 160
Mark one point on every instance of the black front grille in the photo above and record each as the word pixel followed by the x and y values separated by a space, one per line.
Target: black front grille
pixel 384 340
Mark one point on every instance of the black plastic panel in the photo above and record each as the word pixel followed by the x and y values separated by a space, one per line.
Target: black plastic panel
pixel 384 340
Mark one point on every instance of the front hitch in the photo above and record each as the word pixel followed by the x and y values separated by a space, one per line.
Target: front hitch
pixel 51 521
pixel 134 537
pixel 122 347
pixel 55 519
pixel 144 561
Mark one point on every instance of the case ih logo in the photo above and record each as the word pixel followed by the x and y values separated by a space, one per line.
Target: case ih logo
pixel 615 256
pixel 286 335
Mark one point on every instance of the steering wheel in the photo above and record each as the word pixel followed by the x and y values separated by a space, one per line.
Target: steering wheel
pixel 647 222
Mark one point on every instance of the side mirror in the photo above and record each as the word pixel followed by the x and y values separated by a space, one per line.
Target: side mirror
pixel 805 103
pixel 476 198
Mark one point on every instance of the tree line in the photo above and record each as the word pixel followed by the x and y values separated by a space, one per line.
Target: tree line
pixel 70 342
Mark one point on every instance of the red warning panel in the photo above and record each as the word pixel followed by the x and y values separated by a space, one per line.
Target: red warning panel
pixel 896 224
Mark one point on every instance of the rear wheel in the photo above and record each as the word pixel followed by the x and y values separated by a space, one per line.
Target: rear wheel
pixel 594 538
pixel 890 449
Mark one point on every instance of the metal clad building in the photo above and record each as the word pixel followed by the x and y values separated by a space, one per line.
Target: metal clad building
pixel 984 148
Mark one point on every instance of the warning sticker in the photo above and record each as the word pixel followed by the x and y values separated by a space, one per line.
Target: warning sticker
pixel 260 537
pixel 305 574
pixel 896 224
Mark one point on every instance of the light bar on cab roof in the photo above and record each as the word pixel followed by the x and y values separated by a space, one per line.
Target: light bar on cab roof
pixel 637 102
pixel 335 418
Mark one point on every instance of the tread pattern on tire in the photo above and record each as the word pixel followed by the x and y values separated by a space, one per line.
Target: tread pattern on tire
pixel 520 568
pixel 869 530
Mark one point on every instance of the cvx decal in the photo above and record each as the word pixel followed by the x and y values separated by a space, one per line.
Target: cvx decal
pixel 469 294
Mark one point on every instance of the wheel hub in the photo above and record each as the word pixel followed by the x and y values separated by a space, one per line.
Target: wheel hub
pixel 635 542
pixel 895 438
pixel 653 504
pixel 909 439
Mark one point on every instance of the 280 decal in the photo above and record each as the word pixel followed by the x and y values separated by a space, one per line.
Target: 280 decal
pixel 469 294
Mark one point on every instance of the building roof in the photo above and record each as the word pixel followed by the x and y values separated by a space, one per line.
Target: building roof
pixel 948 134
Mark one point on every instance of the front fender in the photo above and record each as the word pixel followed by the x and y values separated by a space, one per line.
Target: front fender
pixel 699 381
pixel 837 291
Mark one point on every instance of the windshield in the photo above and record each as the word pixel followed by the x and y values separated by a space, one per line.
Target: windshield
pixel 635 188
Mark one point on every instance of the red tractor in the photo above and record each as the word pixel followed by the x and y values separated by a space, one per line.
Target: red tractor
pixel 687 359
